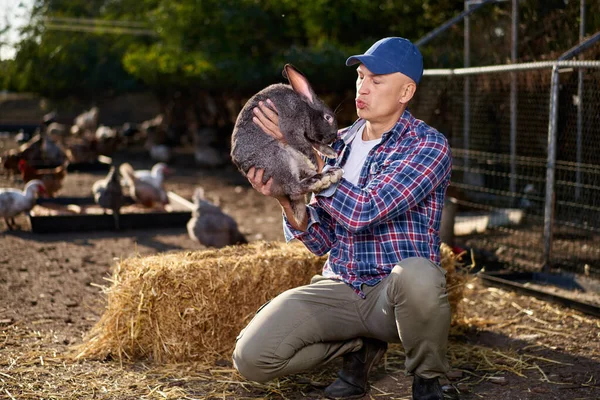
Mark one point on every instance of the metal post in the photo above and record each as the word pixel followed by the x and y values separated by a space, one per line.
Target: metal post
pixel 470 7
pixel 466 92
pixel 550 168
pixel 580 106
pixel 446 25
pixel 513 98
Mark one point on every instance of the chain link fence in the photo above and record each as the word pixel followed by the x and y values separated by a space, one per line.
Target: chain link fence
pixel 500 180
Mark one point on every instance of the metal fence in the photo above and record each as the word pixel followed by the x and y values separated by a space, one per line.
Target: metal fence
pixel 501 180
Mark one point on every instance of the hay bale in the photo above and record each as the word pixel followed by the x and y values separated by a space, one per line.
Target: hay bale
pixel 456 278
pixel 191 306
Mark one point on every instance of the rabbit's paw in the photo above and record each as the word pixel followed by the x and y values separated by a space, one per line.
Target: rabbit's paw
pixel 322 181
pixel 335 174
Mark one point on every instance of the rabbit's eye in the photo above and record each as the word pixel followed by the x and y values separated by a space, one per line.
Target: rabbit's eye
pixel 328 118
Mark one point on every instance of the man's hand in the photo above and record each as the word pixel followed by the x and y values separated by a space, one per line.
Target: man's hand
pixel 255 177
pixel 267 118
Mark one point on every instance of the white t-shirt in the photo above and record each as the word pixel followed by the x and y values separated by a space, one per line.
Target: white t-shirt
pixel 357 157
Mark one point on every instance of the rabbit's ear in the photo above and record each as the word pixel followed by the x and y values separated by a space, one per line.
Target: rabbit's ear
pixel 299 82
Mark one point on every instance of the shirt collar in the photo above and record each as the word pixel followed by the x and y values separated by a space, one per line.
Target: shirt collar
pixel 404 121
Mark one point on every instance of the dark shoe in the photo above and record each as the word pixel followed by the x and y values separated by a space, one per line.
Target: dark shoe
pixel 427 389
pixel 353 379
pixel 450 392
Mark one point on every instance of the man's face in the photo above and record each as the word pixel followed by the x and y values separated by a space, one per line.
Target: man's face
pixel 379 97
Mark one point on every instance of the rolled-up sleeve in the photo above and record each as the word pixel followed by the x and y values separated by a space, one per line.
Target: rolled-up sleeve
pixel 319 235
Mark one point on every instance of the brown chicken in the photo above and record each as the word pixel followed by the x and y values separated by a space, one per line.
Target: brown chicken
pixel 81 150
pixel 10 162
pixel 51 177
pixel 38 151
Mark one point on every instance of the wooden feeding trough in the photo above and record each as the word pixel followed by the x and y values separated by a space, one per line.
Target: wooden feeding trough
pixel 102 163
pixel 75 214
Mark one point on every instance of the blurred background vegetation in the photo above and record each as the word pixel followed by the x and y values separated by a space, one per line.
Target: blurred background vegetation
pixel 211 55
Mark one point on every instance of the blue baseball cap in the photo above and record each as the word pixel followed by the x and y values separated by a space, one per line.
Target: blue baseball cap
pixel 392 54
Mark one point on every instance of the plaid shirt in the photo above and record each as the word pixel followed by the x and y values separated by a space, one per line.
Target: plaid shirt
pixel 394 212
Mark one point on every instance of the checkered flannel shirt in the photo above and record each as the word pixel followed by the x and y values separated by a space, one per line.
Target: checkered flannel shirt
pixel 394 212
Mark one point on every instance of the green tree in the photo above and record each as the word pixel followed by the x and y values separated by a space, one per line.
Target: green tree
pixel 59 64
pixel 214 54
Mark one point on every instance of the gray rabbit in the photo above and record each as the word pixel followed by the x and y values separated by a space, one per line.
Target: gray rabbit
pixel 306 123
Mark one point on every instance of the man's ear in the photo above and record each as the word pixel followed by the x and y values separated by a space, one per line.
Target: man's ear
pixel 407 92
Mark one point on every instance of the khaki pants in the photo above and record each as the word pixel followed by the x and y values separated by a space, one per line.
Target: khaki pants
pixel 311 325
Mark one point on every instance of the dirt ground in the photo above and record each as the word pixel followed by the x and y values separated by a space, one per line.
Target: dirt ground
pixel 505 345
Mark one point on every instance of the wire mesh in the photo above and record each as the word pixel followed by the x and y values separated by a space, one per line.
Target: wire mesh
pixel 501 194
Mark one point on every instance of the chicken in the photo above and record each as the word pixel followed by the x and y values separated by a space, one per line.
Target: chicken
pixel 108 194
pixel 106 140
pixel 10 162
pixel 129 130
pixel 49 118
pixel 129 133
pixel 155 176
pixel 154 126
pixel 14 201
pixel 156 134
pixel 81 150
pixel 105 132
pixel 142 192
pixel 40 150
pixel 52 178
pixel 211 226
pixel 86 121
pixel 56 130
pixel 51 153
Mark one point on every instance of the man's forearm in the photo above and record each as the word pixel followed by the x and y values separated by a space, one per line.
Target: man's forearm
pixel 289 214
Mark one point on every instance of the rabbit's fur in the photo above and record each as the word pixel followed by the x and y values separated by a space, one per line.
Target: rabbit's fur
pixel 306 123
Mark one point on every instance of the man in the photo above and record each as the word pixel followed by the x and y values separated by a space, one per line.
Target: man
pixel 382 281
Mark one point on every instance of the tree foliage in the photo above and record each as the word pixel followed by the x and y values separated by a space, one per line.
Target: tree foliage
pixel 227 45
pixel 232 48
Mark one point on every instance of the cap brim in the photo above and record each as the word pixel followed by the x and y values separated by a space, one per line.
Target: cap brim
pixel 373 64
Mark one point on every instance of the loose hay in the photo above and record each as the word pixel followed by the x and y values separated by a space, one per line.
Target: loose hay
pixel 456 278
pixel 191 306
pixel 33 363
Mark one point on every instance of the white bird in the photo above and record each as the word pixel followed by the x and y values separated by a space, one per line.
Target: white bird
pixel 104 132
pixel 154 176
pixel 142 192
pixel 56 129
pixel 152 125
pixel 211 226
pixel 87 121
pixel 13 201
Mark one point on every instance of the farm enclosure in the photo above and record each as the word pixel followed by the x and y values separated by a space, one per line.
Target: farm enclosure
pixel 50 300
